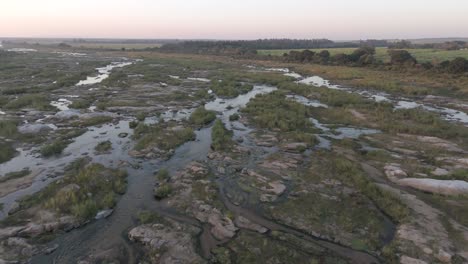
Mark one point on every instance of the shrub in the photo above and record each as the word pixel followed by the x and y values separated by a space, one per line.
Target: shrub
pixel 162 191
pixel 234 117
pixel 163 175
pixel 401 57
pixel 55 148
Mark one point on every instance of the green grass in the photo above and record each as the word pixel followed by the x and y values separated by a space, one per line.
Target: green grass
pixel 84 190
pixel 36 101
pixel 221 138
pixel 8 129
pixel 201 116
pixel 162 191
pixel 7 152
pixel 421 55
pixel 103 146
pixel 54 148
pixel 162 136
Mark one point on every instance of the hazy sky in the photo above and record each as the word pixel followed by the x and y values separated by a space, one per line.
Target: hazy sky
pixel 234 19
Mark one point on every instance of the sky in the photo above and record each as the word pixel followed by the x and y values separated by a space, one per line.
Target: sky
pixel 236 19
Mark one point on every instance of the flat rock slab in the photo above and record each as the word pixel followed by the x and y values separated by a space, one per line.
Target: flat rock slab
pixel 445 187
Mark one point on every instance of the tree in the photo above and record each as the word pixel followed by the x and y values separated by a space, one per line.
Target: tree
pixel 401 57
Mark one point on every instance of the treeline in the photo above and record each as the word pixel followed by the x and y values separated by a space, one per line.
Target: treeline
pixel 242 47
pixel 448 45
pixel 365 56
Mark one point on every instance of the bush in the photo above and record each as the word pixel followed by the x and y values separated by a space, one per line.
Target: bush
pixel 201 116
pixel 221 137
pixel 141 116
pixel 401 57
pixel 234 117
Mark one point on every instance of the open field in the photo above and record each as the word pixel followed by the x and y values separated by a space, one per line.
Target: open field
pixel 422 55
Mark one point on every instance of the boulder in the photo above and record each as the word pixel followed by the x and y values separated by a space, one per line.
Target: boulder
pixel 103 214
pixel 34 128
pixel 394 172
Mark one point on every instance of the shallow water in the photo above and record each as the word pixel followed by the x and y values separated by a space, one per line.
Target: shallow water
pixel 83 146
pixel 400 103
pixel 104 73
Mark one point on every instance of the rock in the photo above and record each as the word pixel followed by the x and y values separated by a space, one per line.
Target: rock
pixel 15 207
pixel 10 231
pixel 408 260
pixel 294 147
pixel 33 128
pixel 223 228
pixel 32 230
pixel 50 250
pixel 445 187
pixel 245 223
pixel 440 172
pixel 123 135
pixel 276 187
pixel 394 172
pixel 103 214
pixel 443 256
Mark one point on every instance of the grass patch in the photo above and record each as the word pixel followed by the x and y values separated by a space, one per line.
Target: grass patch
pixel 221 138
pixel 162 191
pixel 230 88
pixel 36 101
pixel 202 117
pixel 55 148
pixel 164 136
pixel 7 152
pixel 81 104
pixel 84 190
pixel 103 146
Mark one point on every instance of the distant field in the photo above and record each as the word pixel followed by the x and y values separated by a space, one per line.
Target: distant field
pixel 422 55
pixel 116 45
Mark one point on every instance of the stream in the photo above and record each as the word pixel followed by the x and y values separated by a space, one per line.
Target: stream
pixel 111 232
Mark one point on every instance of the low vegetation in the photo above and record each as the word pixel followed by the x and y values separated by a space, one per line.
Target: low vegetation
pixel 54 148
pixel 7 153
pixel 103 147
pixel 221 138
pixel 164 136
pixel 201 116
pixel 84 190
